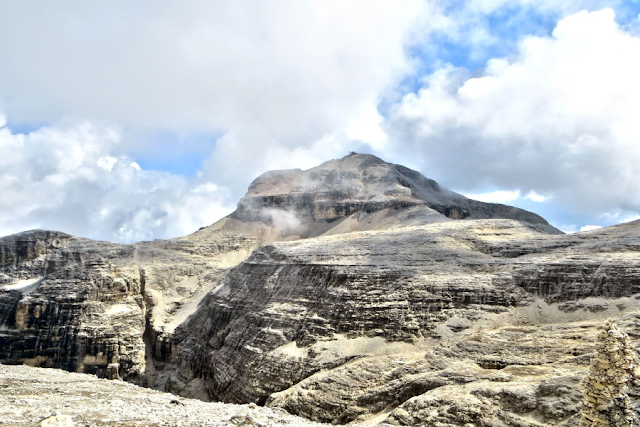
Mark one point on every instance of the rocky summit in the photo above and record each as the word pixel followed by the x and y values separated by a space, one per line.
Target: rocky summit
pixel 354 292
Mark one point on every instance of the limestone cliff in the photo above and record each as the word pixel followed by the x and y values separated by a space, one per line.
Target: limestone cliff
pixel 354 291
pixel 98 307
pixel 324 327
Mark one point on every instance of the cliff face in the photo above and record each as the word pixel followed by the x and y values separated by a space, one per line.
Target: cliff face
pixel 103 308
pixel 318 326
pixel 352 289
pixel 66 303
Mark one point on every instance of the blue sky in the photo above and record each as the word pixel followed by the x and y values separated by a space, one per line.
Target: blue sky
pixel 127 123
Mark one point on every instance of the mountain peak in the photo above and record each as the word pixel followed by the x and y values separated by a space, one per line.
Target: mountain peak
pixel 362 183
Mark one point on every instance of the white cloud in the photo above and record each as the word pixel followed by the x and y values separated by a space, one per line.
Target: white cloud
pixel 559 118
pixel 291 71
pixel 106 162
pixel 72 178
pixel 535 197
pixel 505 196
pixel 276 79
pixel 629 219
pixel 498 196
pixel 568 229
pixel 286 84
pixel 291 84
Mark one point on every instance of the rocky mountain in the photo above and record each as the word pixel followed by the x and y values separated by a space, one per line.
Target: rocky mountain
pixel 356 291
pixel 341 327
pixel 324 199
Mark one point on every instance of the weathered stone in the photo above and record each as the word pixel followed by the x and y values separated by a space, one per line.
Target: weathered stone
pixel 53 398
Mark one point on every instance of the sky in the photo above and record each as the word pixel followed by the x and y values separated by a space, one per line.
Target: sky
pixel 127 121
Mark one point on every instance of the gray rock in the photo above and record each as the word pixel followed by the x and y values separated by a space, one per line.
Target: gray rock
pixel 54 398
pixel 357 291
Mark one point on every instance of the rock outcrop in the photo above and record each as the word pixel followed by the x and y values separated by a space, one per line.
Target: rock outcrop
pixel 68 303
pixel 612 372
pixel 356 291
pixel 98 307
pixel 309 325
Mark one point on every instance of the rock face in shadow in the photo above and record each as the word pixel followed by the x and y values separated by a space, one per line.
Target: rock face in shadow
pixel 97 307
pixel 66 304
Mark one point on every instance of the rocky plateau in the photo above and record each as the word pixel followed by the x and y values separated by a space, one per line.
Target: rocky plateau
pixel 354 292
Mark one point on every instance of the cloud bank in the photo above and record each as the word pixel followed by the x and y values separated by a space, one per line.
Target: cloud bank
pixel 548 122
pixel 71 178
pixel 557 118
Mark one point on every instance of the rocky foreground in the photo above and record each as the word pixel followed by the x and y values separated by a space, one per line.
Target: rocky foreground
pixel 523 368
pixel 56 398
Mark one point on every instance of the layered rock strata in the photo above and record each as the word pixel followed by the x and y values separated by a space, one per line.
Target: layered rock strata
pixel 355 291
pixel 331 307
pixel 98 307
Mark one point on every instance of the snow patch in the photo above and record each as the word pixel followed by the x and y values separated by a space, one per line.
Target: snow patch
pixel 118 309
pixel 25 286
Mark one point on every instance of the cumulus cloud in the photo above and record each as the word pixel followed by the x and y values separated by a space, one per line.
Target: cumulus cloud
pixel 629 219
pixel 73 178
pixel 498 196
pixel 559 119
pixel 289 71
pixel 502 196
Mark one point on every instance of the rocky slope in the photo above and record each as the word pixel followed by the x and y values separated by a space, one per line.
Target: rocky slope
pixel 55 398
pixel 317 325
pixel 354 291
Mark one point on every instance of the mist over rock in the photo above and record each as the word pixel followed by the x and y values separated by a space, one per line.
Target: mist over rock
pixel 355 291
pixel 293 200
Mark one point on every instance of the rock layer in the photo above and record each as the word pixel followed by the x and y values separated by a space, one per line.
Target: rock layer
pixel 331 307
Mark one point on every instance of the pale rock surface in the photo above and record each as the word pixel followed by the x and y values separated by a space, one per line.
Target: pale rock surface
pixel 55 398
pixel 613 370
